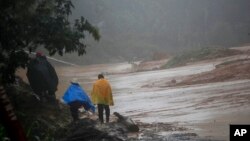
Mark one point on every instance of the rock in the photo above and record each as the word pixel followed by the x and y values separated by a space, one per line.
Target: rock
pixel 173 81
pixel 128 122
pixel 85 129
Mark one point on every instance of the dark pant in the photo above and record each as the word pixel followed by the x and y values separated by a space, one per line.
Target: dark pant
pixel 100 112
pixel 74 106
pixel 51 96
pixel 48 96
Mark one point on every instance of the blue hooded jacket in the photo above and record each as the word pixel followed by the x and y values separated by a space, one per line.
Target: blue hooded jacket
pixel 76 93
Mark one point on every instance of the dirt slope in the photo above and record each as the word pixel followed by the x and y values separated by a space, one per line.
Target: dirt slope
pixel 234 70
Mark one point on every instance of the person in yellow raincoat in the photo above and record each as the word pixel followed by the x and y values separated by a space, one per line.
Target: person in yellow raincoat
pixel 101 96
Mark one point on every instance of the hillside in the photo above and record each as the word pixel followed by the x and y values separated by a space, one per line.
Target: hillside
pixel 139 29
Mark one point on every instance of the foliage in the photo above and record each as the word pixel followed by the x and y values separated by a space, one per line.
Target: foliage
pixel 27 24
pixel 2 133
pixel 40 120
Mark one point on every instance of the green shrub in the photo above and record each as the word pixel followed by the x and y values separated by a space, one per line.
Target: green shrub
pixel 2 133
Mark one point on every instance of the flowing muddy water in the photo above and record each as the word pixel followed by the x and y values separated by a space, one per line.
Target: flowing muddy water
pixel 205 109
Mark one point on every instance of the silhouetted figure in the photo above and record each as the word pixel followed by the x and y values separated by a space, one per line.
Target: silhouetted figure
pixel 42 77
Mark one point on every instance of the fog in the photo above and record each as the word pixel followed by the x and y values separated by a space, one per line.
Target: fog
pixel 195 95
pixel 137 29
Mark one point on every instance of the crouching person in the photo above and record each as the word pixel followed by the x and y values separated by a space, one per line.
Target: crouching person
pixel 76 98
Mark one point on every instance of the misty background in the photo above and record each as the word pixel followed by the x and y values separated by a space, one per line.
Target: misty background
pixel 139 29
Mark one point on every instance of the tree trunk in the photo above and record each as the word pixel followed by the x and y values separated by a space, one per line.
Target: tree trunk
pixel 8 118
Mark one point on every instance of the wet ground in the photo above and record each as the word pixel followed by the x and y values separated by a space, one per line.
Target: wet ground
pixel 204 109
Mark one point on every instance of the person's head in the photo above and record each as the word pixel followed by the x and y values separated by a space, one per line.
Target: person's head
pixel 74 81
pixel 39 54
pixel 100 76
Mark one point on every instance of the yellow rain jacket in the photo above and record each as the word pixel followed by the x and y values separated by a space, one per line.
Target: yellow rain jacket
pixel 102 93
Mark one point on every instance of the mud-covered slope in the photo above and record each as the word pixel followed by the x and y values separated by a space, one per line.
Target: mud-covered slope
pixel 47 121
pixel 227 71
pixel 39 117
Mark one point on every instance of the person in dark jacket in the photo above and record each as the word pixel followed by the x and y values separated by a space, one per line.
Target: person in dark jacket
pixel 42 77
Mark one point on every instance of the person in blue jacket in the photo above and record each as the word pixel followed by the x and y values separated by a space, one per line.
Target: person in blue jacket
pixel 76 98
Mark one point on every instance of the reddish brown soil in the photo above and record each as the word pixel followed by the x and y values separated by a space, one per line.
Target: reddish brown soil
pixel 225 72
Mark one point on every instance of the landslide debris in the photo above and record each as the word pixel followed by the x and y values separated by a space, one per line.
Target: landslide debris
pixel 199 55
pixel 227 71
